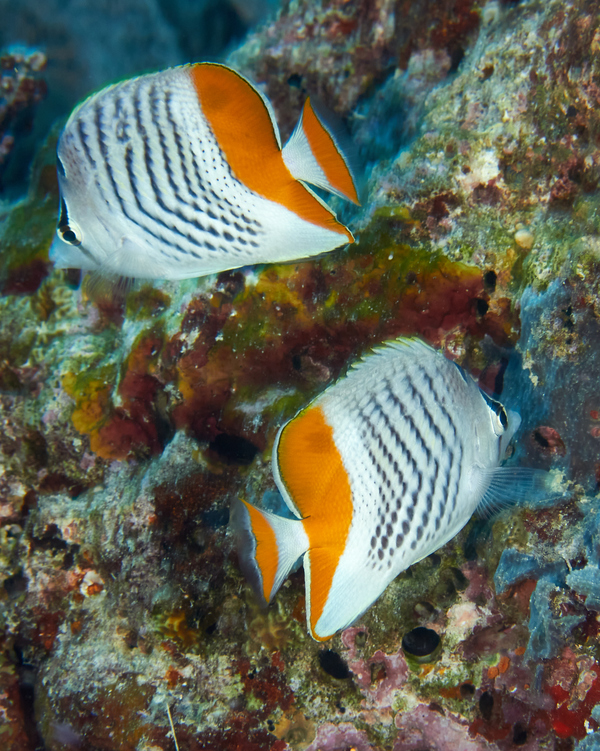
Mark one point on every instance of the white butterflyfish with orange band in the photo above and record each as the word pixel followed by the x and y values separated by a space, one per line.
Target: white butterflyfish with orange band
pixel 181 173
pixel 379 471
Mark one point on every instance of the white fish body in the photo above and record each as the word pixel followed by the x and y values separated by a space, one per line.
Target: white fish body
pixel 181 173
pixel 382 469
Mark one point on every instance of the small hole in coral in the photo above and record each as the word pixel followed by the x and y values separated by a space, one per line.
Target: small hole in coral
pixel 15 585
pixel 467 690
pixel 233 449
pixel 378 672
pixel 69 557
pixel 486 705
pixel 424 609
pixel 420 642
pixel 460 580
pixel 456 58
pixel 519 734
pixel 489 280
pixel 486 72
pixel 481 306
pixel 333 664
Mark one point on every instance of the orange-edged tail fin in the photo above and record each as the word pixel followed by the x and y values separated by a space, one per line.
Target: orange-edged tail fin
pixel 268 546
pixel 314 154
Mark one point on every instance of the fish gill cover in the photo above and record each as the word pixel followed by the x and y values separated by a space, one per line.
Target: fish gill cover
pixel 129 423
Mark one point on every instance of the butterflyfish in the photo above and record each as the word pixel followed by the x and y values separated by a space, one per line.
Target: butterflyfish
pixel 181 173
pixel 379 471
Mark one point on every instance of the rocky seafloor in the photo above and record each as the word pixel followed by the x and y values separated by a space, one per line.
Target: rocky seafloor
pixel 129 422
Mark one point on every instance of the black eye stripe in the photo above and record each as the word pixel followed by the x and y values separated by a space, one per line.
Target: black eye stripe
pixel 63 217
pixel 68 233
pixel 501 413
pixel 497 409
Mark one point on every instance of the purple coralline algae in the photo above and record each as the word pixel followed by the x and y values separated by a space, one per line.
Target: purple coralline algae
pixel 130 421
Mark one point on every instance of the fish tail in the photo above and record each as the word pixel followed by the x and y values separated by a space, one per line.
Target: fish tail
pixel 268 546
pixel 314 154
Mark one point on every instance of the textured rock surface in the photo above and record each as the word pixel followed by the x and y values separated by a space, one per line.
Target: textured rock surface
pixel 21 89
pixel 129 424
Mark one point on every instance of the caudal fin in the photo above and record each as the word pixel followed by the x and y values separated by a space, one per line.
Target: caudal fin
pixel 314 154
pixel 268 546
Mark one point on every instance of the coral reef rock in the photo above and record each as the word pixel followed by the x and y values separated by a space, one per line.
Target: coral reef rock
pixel 131 419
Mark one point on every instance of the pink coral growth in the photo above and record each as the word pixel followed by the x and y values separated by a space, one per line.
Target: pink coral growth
pixel 378 676
pixel 334 737
pixel 423 727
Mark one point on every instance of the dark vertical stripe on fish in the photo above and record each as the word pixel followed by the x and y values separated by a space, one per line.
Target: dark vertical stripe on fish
pixel 439 403
pixel 100 135
pixel 408 418
pixel 148 160
pixel 392 463
pixel 136 196
pixel 83 137
pixel 179 146
pixel 459 464
pixel 397 439
pixel 166 157
pixel 149 165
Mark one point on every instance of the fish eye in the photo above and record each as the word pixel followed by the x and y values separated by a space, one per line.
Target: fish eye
pixel 70 233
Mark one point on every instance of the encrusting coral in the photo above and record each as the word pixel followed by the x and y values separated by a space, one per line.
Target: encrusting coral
pixel 129 423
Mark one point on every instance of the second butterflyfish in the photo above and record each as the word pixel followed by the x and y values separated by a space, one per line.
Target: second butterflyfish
pixel 379 471
pixel 182 173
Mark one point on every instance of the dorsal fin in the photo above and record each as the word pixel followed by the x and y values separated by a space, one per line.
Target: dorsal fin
pixel 314 154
